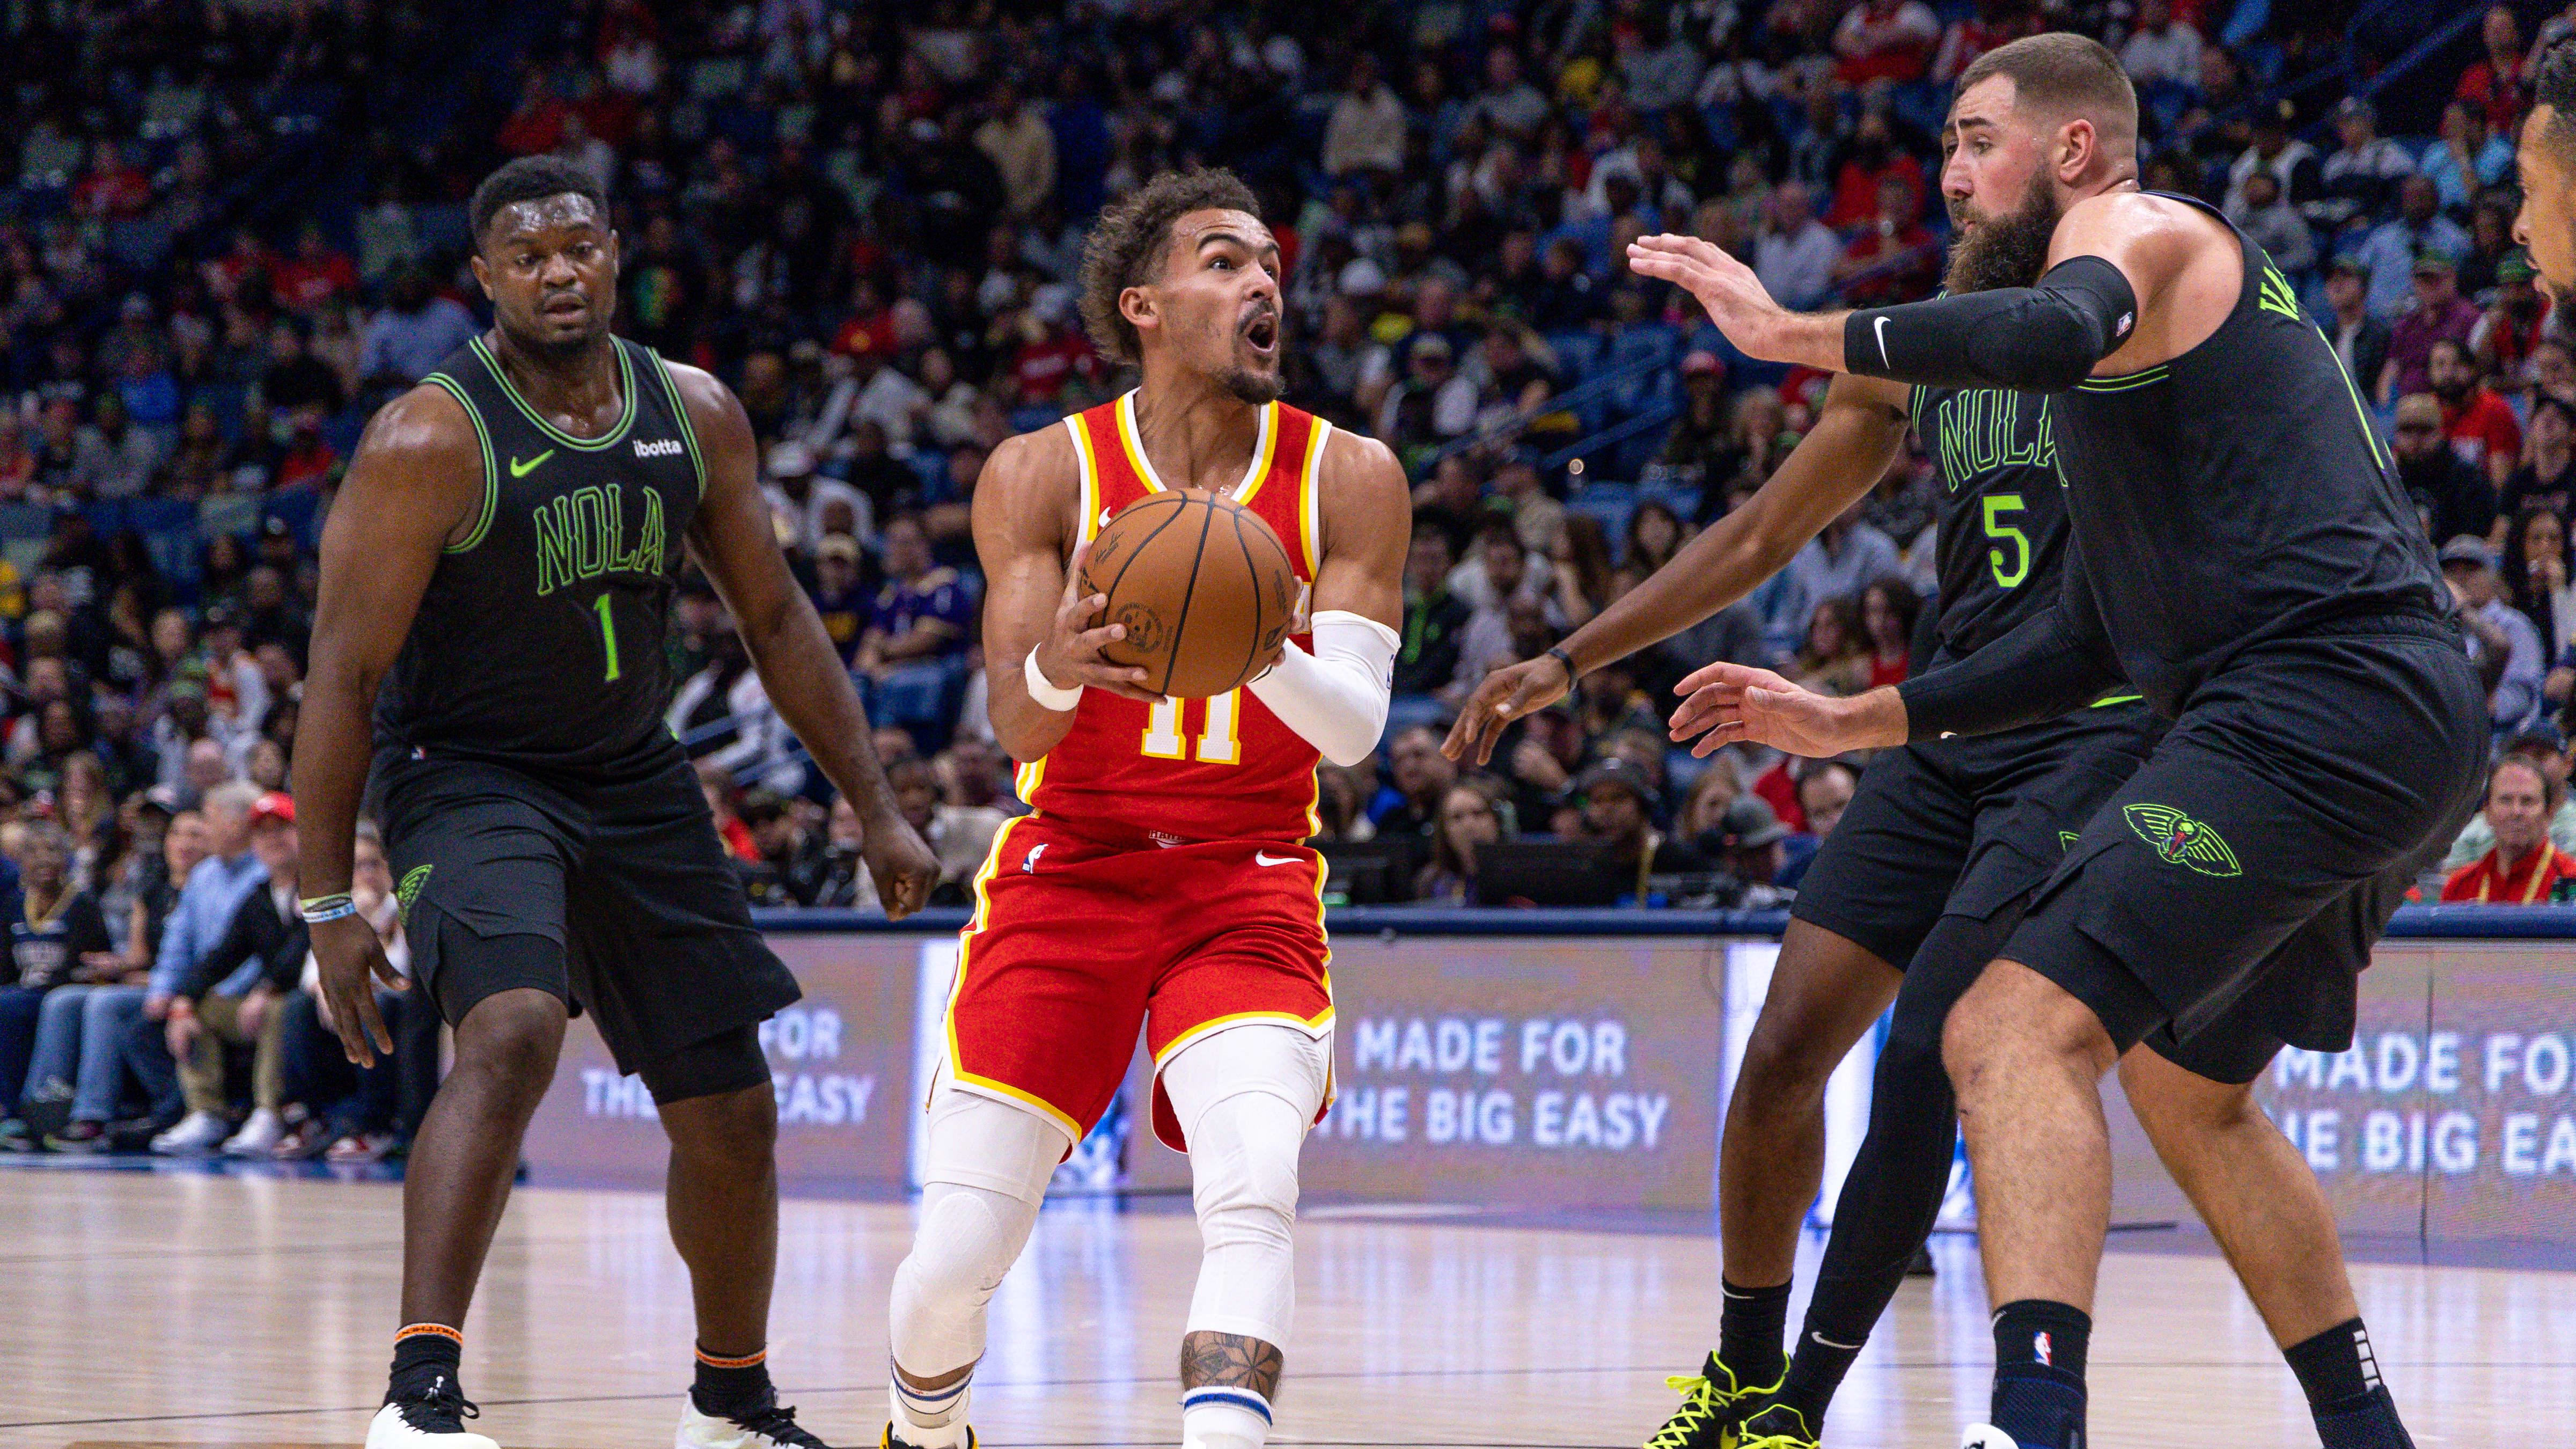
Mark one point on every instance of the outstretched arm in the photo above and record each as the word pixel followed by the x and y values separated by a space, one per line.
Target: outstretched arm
pixel 731 539
pixel 2116 262
pixel 1842 457
pixel 2050 663
pixel 1336 697
pixel 414 485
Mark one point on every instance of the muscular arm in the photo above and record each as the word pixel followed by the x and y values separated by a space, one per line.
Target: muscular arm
pixel 1024 529
pixel 414 486
pixel 732 541
pixel 1855 437
pixel 2179 269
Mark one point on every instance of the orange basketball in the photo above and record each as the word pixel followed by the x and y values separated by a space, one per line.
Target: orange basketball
pixel 1203 586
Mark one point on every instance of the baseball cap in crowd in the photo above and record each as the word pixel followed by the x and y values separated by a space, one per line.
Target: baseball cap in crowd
pixel 1700 363
pixel 1620 774
pixel 2514 267
pixel 2354 106
pixel 1362 278
pixel 2467 548
pixel 2434 263
pixel 2349 267
pixel 220 616
pixel 1429 344
pixel 2419 409
pixel 837 545
pixel 1750 823
pixel 276 805
pixel 164 798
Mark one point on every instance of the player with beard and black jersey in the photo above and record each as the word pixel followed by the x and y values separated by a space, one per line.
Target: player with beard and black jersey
pixel 2239 551
pixel 2546 159
pixel 553 848
pixel 1912 895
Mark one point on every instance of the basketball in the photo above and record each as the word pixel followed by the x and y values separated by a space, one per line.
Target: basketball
pixel 1203 586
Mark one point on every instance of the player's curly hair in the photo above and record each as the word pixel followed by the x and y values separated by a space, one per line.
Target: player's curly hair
pixel 1128 242
pixel 2554 86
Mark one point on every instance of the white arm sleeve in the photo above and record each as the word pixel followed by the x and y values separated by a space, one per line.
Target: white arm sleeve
pixel 1336 697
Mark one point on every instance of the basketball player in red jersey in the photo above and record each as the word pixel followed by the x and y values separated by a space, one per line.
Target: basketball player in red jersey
pixel 1161 879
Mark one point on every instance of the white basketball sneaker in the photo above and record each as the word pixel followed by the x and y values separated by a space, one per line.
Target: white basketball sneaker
pixel 1979 1436
pixel 431 1420
pixel 771 1427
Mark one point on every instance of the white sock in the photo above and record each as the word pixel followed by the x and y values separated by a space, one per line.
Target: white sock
pixel 1218 1416
pixel 930 1418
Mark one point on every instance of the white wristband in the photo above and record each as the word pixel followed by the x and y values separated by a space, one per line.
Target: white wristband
pixel 1045 691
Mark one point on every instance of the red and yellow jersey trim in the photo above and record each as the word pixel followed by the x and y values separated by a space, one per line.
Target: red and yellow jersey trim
pixel 965 961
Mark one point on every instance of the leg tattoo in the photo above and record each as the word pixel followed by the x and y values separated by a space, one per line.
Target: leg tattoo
pixel 1234 1360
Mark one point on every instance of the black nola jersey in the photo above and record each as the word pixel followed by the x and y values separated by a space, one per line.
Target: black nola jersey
pixel 540 639
pixel 2002 529
pixel 2235 494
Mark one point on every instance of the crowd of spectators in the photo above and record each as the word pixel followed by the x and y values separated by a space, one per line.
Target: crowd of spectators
pixel 868 221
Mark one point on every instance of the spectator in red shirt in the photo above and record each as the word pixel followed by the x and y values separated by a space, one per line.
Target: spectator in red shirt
pixel 536 125
pixel 2510 332
pixel 112 189
pixel 2480 426
pixel 1885 39
pixel 1872 157
pixel 871 324
pixel 1907 258
pixel 316 275
pixel 2437 313
pixel 2525 868
pixel 1051 355
pixel 1888 611
pixel 2495 85
pixel 1996 22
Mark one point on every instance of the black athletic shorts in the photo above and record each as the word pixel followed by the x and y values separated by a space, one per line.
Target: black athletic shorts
pixel 616 897
pixel 2222 903
pixel 1965 825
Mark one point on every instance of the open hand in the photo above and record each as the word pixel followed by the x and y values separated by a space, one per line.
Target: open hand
pixel 1505 695
pixel 348 962
pixel 1723 703
pixel 1735 298
pixel 1070 656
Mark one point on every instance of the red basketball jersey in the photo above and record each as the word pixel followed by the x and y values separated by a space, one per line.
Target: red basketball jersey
pixel 1222 768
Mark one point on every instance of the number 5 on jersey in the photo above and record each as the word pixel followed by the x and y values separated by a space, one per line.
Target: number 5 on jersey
pixel 1217 744
pixel 1997 505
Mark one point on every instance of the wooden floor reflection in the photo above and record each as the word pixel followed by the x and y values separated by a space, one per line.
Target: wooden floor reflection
pixel 183 1309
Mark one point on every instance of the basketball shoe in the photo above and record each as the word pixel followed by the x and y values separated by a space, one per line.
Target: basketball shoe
pixel 767 1427
pixel 1775 1426
pixel 892 1440
pixel 1714 1407
pixel 429 1418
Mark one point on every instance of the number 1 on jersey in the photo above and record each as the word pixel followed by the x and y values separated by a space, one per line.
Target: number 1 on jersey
pixel 1217 742
pixel 608 635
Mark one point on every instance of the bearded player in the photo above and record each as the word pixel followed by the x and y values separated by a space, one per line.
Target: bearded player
pixel 1161 879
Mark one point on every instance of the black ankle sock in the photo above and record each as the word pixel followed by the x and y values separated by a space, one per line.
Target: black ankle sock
pixel 2341 1380
pixel 422 1358
pixel 2039 1373
pixel 1816 1370
pixel 1749 1326
pixel 729 1387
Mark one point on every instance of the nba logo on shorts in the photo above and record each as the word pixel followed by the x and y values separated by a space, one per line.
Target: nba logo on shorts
pixel 2041 1349
pixel 1029 866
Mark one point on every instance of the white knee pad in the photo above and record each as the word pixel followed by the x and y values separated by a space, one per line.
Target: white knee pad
pixel 985 1165
pixel 1244 1099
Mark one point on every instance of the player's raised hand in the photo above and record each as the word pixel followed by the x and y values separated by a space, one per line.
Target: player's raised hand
pixel 1735 299
pixel 898 861
pixel 1723 703
pixel 1070 657
pixel 1505 695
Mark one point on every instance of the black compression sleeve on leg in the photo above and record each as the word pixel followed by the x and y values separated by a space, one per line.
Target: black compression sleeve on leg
pixel 726 1062
pixel 2031 339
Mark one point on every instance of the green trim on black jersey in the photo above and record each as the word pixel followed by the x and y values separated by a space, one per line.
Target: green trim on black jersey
pixel 2369 433
pixel 2127 380
pixel 626 381
pixel 680 414
pixel 491 469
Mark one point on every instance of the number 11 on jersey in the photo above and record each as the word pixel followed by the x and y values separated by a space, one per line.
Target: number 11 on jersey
pixel 1217 744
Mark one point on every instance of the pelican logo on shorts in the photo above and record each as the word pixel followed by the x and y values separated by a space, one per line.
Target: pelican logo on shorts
pixel 657 448
pixel 2181 840
pixel 409 890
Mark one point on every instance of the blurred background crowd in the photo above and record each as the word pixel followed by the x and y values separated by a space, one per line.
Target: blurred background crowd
pixel 237 227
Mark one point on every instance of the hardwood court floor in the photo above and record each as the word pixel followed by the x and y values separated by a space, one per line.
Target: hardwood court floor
pixel 185 1309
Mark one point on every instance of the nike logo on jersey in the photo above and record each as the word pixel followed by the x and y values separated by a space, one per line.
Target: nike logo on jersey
pixel 1265 858
pixel 657 448
pixel 522 470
